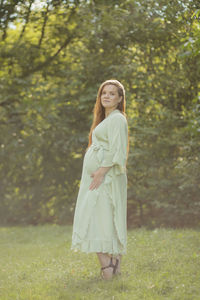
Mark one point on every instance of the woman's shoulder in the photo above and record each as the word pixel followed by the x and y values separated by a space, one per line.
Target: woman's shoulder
pixel 118 117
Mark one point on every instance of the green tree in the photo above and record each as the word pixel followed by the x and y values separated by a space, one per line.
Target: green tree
pixel 53 57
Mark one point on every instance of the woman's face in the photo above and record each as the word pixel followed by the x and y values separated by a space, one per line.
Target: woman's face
pixel 110 97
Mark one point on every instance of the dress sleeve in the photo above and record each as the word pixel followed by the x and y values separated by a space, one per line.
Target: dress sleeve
pixel 117 140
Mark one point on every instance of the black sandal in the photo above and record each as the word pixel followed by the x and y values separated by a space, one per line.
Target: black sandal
pixel 110 265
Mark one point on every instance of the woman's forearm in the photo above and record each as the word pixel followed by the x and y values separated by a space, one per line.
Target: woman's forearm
pixel 104 170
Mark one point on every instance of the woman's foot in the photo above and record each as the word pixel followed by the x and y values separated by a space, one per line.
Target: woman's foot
pixel 105 261
pixel 105 274
pixel 118 270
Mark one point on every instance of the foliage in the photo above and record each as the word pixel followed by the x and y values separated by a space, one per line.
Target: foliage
pixel 53 56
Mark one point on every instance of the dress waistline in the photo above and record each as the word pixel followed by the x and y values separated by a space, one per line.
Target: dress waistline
pixel 98 146
pixel 100 153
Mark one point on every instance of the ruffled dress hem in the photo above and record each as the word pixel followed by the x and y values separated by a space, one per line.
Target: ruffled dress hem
pixel 96 245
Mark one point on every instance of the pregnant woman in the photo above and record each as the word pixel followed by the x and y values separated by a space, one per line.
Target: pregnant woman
pixel 100 218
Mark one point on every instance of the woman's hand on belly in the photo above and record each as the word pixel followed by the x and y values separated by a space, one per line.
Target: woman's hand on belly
pixel 98 177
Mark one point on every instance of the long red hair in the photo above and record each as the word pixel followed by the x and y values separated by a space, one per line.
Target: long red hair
pixel 99 110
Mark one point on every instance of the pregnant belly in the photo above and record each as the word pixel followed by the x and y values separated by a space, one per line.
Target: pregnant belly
pixel 90 162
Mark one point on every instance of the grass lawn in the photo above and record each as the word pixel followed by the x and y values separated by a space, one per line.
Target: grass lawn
pixel 37 263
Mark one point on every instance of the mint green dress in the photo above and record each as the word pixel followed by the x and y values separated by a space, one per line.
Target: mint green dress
pixel 100 217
